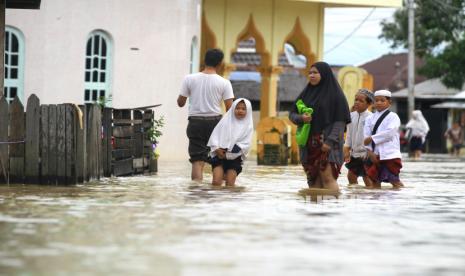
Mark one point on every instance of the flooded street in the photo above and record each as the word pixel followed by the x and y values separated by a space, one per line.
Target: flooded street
pixel 167 225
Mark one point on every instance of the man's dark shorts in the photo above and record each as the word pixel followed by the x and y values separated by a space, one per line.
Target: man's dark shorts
pixel 198 131
pixel 356 166
pixel 235 164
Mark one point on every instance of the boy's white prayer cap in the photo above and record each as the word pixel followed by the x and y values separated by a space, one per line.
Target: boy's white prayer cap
pixel 385 93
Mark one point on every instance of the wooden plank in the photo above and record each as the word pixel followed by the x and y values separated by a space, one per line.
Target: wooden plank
pixel 138 145
pixel 124 143
pixel 44 144
pixel 137 114
pixel 147 125
pixel 94 142
pixel 81 145
pixel 52 144
pixel 4 120
pixel 122 122
pixel 123 167
pixel 61 144
pixel 122 113
pixel 148 115
pixel 123 131
pixel 32 140
pixel 70 142
pixel 89 153
pixel 91 147
pixel 147 106
pixel 16 135
pixel 140 163
pixel 107 146
pixel 119 154
pixel 98 125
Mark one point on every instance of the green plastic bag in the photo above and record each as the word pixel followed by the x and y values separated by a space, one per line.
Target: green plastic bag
pixel 304 130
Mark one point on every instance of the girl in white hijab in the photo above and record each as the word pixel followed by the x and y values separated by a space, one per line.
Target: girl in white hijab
pixel 419 129
pixel 230 142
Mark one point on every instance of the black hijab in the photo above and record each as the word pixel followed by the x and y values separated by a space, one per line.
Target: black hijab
pixel 326 98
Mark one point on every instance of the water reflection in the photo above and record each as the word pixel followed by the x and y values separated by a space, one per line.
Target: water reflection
pixel 168 225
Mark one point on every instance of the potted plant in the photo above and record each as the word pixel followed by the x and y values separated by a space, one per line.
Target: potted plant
pixel 154 135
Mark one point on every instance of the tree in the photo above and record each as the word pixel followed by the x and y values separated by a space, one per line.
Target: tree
pixel 439 38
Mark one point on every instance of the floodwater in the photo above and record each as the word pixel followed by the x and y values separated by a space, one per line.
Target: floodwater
pixel 167 225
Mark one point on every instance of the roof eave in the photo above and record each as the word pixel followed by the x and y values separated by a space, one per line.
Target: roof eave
pixel 23 4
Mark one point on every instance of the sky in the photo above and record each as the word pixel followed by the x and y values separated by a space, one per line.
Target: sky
pixel 363 45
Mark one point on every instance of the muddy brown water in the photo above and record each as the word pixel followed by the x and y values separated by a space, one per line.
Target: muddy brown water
pixel 167 225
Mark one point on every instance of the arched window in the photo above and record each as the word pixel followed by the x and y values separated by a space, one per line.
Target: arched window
pixel 98 64
pixel 14 64
pixel 195 62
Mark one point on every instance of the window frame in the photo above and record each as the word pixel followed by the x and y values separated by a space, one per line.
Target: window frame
pixel 17 83
pixel 89 84
pixel 194 61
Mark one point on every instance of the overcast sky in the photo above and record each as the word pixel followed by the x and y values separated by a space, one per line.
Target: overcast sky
pixel 364 44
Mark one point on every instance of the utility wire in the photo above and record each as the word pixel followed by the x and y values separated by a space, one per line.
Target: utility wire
pixel 352 32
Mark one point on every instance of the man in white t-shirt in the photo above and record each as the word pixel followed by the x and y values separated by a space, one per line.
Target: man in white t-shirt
pixel 206 90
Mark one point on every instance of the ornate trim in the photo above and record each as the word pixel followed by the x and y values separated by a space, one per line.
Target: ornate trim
pixel 300 41
pixel 251 30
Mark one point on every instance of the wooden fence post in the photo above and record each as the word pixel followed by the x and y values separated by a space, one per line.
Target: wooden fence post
pixel 123 131
pixel 106 143
pixel 70 142
pixel 53 146
pixel 138 164
pixel 4 120
pixel 16 136
pixel 32 140
pixel 44 149
pixel 81 160
pixel 147 143
pixel 61 144
pixel 94 141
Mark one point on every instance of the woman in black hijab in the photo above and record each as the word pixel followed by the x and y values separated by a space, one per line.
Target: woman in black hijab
pixel 322 157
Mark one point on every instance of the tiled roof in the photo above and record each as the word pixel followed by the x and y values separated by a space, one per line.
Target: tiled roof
pixel 390 71
pixel 429 89
pixel 246 59
pixel 290 84
pixel 246 55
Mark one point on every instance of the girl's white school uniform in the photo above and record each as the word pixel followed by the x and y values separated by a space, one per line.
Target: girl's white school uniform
pixel 354 138
pixel 231 131
pixel 386 137
pixel 418 125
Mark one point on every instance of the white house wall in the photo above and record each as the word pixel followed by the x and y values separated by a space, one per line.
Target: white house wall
pixel 151 54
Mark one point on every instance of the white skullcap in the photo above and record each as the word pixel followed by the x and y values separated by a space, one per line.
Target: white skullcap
pixel 385 93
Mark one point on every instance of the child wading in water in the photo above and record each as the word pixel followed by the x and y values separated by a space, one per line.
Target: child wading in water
pixel 381 134
pixel 355 152
pixel 230 142
pixel 455 135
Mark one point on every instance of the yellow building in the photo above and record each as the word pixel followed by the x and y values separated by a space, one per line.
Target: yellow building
pixel 271 24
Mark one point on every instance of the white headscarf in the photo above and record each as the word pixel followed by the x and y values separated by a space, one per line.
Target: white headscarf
pixel 418 124
pixel 231 131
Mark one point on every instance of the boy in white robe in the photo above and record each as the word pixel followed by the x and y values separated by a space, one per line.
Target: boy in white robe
pixel 383 143
pixel 230 142
pixel 355 152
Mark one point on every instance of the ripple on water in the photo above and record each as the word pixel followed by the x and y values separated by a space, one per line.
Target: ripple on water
pixel 134 225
